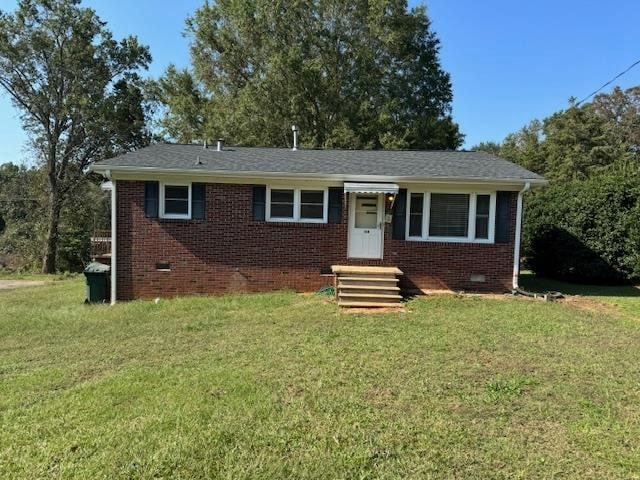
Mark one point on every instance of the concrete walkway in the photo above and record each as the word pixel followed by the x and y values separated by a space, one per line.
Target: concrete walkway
pixel 9 284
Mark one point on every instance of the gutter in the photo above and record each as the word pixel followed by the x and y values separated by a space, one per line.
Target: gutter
pixel 516 247
pixel 106 169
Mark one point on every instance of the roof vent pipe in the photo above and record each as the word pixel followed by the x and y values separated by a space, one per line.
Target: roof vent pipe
pixel 295 137
pixel 220 144
pixel 205 144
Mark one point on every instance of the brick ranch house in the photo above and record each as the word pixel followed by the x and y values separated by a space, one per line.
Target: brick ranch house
pixel 187 219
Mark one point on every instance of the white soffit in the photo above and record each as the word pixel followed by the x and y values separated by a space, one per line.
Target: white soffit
pixel 350 187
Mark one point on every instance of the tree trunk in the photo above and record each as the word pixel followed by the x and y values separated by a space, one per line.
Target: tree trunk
pixel 51 247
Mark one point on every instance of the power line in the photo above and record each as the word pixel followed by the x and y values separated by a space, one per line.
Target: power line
pixel 608 83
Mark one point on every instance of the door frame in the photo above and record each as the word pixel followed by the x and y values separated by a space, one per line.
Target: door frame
pixel 352 222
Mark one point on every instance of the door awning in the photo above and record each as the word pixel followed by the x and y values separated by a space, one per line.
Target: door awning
pixel 371 187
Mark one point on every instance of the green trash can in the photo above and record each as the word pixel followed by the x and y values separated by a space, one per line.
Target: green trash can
pixel 98 280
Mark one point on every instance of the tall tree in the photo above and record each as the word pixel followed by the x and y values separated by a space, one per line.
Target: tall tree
pixel 621 110
pixel 185 104
pixel 580 141
pixel 77 90
pixel 351 74
pixel 525 146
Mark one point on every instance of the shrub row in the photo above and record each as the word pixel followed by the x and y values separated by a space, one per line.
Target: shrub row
pixel 585 231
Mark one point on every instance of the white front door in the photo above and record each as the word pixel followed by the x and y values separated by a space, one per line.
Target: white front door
pixel 365 225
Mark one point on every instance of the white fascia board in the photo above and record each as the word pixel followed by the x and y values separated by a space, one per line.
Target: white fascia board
pixel 310 176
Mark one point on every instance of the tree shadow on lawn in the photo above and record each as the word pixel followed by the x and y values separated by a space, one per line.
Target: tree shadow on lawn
pixel 534 283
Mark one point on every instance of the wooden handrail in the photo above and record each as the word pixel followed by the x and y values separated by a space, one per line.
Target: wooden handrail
pixel 101 243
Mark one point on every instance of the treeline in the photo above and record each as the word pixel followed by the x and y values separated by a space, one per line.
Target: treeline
pixel 23 228
pixel 585 226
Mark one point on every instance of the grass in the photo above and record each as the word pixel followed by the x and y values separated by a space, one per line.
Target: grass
pixel 11 275
pixel 625 297
pixel 285 386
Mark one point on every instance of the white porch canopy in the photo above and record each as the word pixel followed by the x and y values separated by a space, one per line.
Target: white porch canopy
pixel 352 187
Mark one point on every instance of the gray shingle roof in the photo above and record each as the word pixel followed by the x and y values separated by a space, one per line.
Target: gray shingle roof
pixel 384 163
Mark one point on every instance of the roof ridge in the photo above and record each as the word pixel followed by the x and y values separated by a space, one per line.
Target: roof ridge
pixel 320 149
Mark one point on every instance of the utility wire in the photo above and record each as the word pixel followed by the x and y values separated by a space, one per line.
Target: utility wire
pixel 608 83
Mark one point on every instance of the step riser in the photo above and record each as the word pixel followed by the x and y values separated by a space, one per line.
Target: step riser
pixel 370 296
pixel 368 277
pixel 364 291
pixel 369 304
pixel 368 283
pixel 373 288
pixel 370 301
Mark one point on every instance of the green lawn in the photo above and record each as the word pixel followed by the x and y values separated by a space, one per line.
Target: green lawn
pixel 9 275
pixel 625 297
pixel 286 386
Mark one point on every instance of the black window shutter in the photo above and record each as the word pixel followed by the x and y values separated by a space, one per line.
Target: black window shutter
pixel 151 199
pixel 504 204
pixel 336 195
pixel 399 215
pixel 198 201
pixel 259 202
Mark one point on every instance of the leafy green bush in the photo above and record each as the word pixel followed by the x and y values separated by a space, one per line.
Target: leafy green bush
pixel 585 231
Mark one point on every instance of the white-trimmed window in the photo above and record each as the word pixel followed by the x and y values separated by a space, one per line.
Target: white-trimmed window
pixel 282 202
pixel 483 216
pixel 312 204
pixel 294 204
pixel 416 214
pixel 451 216
pixel 175 200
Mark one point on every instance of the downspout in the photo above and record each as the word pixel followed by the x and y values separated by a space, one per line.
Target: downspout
pixel 516 247
pixel 113 241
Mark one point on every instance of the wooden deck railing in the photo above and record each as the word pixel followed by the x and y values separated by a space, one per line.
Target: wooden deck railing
pixel 101 243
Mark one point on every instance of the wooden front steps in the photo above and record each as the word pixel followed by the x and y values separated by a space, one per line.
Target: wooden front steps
pixel 367 286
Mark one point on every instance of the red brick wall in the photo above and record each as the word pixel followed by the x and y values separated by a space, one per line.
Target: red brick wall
pixel 230 252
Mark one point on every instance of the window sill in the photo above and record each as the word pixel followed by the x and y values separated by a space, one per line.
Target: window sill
pixel 293 223
pixel 296 222
pixel 175 217
pixel 449 240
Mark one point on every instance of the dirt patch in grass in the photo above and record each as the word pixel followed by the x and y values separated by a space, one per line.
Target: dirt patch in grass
pixel 581 302
pixel 380 396
pixel 291 393
pixel 593 305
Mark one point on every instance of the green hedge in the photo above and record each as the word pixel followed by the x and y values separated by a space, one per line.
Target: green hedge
pixel 585 231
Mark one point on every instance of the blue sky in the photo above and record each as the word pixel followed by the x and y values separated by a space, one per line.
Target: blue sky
pixel 510 61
